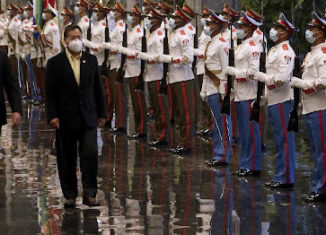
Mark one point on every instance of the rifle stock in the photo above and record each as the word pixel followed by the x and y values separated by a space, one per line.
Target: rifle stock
pixel 121 71
pixel 293 124
pixel 89 29
pixel 140 84
pixel 104 70
pixel 226 105
pixel 163 85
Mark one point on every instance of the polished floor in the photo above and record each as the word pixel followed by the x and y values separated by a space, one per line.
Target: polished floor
pixel 147 191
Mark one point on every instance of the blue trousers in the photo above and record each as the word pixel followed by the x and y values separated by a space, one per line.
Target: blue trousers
pixel 31 76
pixel 249 133
pixel 316 125
pixel 284 142
pixel 222 133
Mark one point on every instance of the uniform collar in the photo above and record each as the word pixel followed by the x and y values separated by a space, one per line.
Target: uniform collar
pixel 318 46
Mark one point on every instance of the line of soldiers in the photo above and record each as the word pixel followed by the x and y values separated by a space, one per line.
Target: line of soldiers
pixel 191 82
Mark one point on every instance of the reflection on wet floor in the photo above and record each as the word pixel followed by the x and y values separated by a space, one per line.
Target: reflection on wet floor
pixel 147 191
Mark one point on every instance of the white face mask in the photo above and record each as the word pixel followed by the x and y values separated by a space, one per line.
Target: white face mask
pixel 43 16
pixel 112 15
pixel 273 35
pixel 203 21
pixel 309 35
pixel 25 14
pixel 143 9
pixel 130 20
pixel 61 18
pixel 94 17
pixel 19 17
pixel 76 10
pixel 8 12
pixel 241 34
pixel 76 45
pixel 148 23
pixel 207 30
pixel 172 23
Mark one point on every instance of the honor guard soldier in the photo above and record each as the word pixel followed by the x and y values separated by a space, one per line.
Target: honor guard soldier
pixel 153 76
pixel 13 29
pixel 205 121
pixel 165 7
pixel 216 59
pixel 50 34
pixel 313 84
pixel 190 29
pixel 247 57
pixel 181 78
pixel 231 15
pixel 133 70
pixel 66 16
pixel 82 10
pixel 279 95
pixel 3 31
pixel 116 91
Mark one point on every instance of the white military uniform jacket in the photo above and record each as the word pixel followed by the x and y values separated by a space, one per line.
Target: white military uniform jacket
pixel 13 29
pixel 116 37
pixel 4 22
pixel 153 69
pixel 227 35
pixel 22 40
pixel 50 37
pixel 29 34
pixel 84 25
pixel 279 67
pixel 217 59
pixel 134 43
pixel 191 31
pixel 246 61
pixel 314 72
pixel 98 36
pixel 181 56
pixel 202 42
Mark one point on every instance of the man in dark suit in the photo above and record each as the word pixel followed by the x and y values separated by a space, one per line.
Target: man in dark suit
pixel 9 84
pixel 75 106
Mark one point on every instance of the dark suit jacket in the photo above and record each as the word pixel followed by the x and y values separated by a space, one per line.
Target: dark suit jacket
pixel 74 104
pixel 10 85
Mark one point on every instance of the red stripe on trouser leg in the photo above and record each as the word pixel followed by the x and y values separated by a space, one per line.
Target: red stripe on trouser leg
pixel 233 119
pixel 160 102
pixel 323 149
pixel 185 100
pixel 108 95
pixel 252 141
pixel 287 163
pixel 140 104
pixel 225 138
pixel 170 102
pixel 120 105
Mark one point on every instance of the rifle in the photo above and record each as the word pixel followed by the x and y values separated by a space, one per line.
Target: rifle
pixel 163 85
pixel 89 29
pixel 255 111
pixel 195 45
pixel 106 51
pixel 121 71
pixel 226 105
pixel 293 124
pixel 140 83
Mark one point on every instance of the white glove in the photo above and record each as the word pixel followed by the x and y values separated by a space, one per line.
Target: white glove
pixel 229 70
pixel 203 96
pixel 299 83
pixel 263 77
pixel 107 45
pixel 163 58
pixel 320 83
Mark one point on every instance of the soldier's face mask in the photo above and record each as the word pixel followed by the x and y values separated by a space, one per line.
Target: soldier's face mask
pixel 172 23
pixel 309 35
pixel 43 16
pixel 273 35
pixel 112 15
pixel 203 21
pixel 148 23
pixel 25 14
pixel 207 30
pixel 130 19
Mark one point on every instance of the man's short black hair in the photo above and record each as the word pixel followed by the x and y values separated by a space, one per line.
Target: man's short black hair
pixel 70 28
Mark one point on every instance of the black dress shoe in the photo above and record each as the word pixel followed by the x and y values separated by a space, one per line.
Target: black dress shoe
pixel 158 143
pixel 314 197
pixel 70 203
pixel 138 136
pixel 180 150
pixel 90 201
pixel 252 173
pixel 118 130
pixel 279 185
pixel 207 132
pixel 239 172
pixel 108 124
pixel 269 183
pixel 216 163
